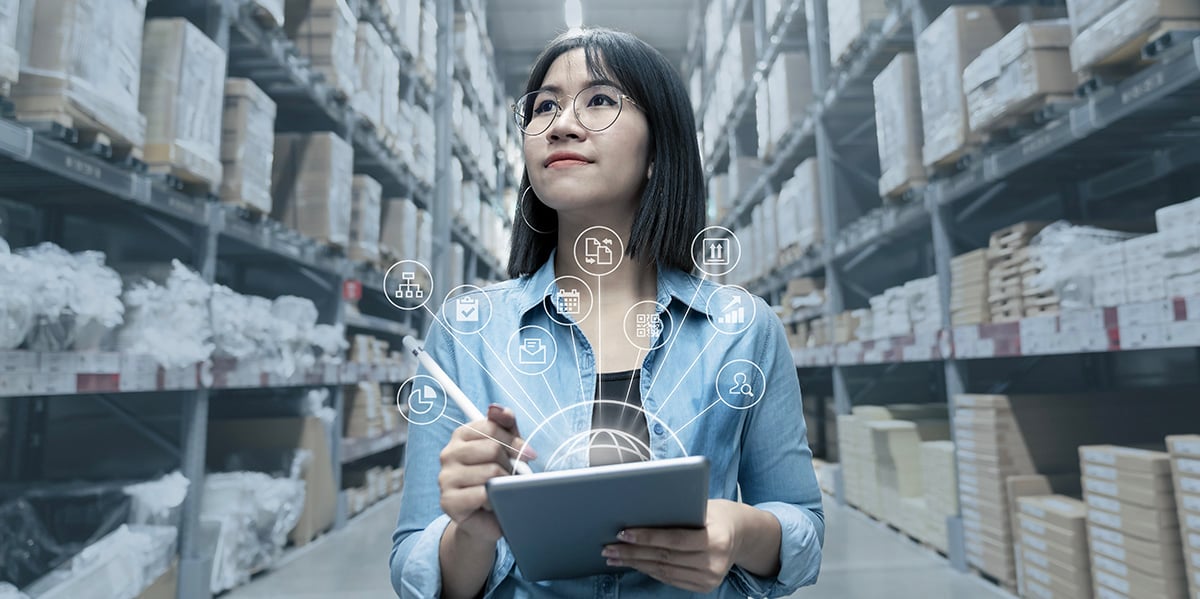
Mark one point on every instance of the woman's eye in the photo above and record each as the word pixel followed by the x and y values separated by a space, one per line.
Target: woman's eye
pixel 602 100
pixel 544 106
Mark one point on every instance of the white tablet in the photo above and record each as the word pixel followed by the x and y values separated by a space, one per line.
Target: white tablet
pixel 557 523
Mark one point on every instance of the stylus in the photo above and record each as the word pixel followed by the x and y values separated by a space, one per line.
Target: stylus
pixel 453 391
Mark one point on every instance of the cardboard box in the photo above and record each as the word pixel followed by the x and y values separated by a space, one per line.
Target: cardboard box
pixel 1018 74
pixel 898 126
pixel 325 33
pixel 1046 535
pixel 1131 459
pixel 1152 525
pixel 311 185
pixel 366 205
pixel 848 20
pixel 1083 13
pixel 1158 495
pixel 229 436
pixel 1066 582
pixel 182 91
pixel 64 76
pixel 1118 36
pixel 247 145
pixel 789 92
pixel 1134 583
pixel 370 54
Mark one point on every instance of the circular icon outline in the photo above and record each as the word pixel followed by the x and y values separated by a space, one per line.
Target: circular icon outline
pixel 551 357
pixel 717 324
pixel 410 384
pixel 619 256
pixel 388 295
pixel 483 323
pixel 551 313
pixel 661 336
pixel 757 396
pixel 703 235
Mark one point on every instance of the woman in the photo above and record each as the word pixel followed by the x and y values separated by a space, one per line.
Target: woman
pixel 602 245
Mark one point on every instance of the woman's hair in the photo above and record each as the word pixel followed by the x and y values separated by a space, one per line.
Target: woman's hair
pixel 672 210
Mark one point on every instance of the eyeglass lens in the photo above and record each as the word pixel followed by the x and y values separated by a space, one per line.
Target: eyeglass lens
pixel 596 108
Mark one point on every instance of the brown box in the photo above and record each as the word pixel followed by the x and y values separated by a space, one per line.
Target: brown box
pixel 229 436
pixel 247 145
pixel 1184 445
pixel 1136 584
pixel 1149 524
pixel 311 185
pixel 1064 581
pixel 1066 513
pixel 1132 459
pixel 1119 545
pixel 182 91
pixel 366 199
pixel 324 32
pixel 1117 37
pixel 1018 73
pixel 898 125
pixel 1155 495
pixel 1043 537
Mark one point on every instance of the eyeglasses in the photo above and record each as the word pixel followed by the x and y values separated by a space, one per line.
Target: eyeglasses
pixel 596 108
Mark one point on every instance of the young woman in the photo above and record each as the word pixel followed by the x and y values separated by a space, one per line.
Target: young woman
pixel 609 350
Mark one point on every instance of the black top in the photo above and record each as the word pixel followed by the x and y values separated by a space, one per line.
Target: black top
pixel 619 432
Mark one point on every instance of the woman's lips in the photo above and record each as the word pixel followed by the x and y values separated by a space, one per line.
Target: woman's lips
pixel 567 163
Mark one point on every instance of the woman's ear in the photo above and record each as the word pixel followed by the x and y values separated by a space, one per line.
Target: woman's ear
pixel 650 170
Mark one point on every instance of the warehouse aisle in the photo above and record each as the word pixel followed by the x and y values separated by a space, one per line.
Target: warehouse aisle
pixel 862 559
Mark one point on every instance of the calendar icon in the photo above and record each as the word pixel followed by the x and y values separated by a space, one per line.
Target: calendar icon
pixel 567 301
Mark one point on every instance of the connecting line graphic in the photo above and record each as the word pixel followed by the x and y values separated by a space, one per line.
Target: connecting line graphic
pixel 679 430
pixel 575 351
pixel 685 373
pixel 629 388
pixel 450 331
pixel 513 376
pixel 678 328
pixel 506 445
pixel 552 395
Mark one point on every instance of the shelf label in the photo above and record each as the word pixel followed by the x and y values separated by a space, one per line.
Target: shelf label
pixel 352 290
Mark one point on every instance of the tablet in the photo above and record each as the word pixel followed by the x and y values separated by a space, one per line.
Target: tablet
pixel 557 523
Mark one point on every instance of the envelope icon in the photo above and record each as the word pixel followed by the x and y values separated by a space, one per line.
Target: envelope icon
pixel 532 351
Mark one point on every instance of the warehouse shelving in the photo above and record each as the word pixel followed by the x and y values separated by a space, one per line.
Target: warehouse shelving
pixel 356 449
pixel 1079 162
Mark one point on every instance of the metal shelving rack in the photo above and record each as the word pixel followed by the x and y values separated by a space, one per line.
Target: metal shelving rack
pixel 1137 135
pixel 48 177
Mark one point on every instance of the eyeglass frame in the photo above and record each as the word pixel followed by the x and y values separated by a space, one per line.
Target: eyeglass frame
pixel 558 109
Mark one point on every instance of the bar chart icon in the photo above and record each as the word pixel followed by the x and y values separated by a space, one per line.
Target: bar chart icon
pixel 734 313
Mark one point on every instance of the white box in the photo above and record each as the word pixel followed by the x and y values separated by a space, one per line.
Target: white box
pixel 848 20
pixel 898 125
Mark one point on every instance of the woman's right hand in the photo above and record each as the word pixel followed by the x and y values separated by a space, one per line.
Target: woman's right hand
pixel 477 452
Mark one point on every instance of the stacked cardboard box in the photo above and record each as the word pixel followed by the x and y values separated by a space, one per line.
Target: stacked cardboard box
pixel 311 180
pixel 1008 253
pixel 782 103
pixel 859 453
pixel 898 126
pixel 1177 226
pixel 1053 557
pixel 897 451
pixel 848 21
pixel 939 482
pixel 83 68
pixel 1116 37
pixel 1027 69
pixel 1185 470
pixel 182 91
pixel 969 289
pixel 398 231
pixel 365 488
pixel 799 209
pixel 365 207
pixel 247 145
pixel 1129 493
pixel 10 60
pixel 324 32
pixel 370 412
pixel 370 62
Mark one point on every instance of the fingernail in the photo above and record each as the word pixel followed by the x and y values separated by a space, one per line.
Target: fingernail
pixel 528 453
pixel 495 409
pixel 614 562
pixel 608 552
pixel 626 536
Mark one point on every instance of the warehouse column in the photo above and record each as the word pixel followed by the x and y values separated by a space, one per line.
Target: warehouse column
pixel 443 105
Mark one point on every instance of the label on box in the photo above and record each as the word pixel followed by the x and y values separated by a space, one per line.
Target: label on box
pixel 1033 510
pixel 1110 565
pixel 1192 503
pixel 1193 522
pixel 1036 528
pixel 1104 503
pixel 138 373
pixel 1184 333
pixel 1103 592
pixel 1098 456
pixel 1110 550
pixel 1099 486
pixel 1101 472
pixel 1188 466
pixel 1190 485
pixel 16 384
pixel 1105 519
pixel 1143 336
pixel 18 361
pixel 1036 558
pixel 1037 543
pixel 59 362
pixel 1193 540
pixel 1154 312
pixel 1184 447
pixel 56 383
pixel 1038 591
pixel 99 363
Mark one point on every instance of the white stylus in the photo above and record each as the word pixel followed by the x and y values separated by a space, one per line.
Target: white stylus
pixel 453 391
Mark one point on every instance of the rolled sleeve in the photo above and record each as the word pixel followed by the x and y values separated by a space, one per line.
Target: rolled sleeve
pixel 776 473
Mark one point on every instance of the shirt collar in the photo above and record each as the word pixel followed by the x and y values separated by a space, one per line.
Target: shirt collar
pixel 673 284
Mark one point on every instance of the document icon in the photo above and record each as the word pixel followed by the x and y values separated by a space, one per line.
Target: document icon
pixel 532 351
pixel 598 252
pixel 466 309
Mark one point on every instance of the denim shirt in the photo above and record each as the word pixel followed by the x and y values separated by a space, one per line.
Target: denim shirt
pixel 761 450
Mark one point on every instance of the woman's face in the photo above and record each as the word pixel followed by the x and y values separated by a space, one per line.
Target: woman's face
pixel 573 169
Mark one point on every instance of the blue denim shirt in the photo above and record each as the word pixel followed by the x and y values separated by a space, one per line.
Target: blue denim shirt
pixel 761 450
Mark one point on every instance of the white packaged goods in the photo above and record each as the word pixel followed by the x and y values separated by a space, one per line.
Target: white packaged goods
pixel 425 237
pixel 898 126
pixel 370 61
pixel 64 77
pixel 310 185
pixel 183 84
pixel 429 30
pixel 120 565
pixel 398 233
pixel 10 61
pixel 790 91
pixel 252 514
pixel 848 20
pixel 324 32
pixel 247 145
pixel 1064 257
pixel 458 258
pixel 1029 66
pixel 404 19
pixel 1182 216
pixel 393 131
pixel 1118 36
pixel 73 299
pixel 170 321
pixel 366 199
pixel 944 49
pixel 802 195
pixel 1083 13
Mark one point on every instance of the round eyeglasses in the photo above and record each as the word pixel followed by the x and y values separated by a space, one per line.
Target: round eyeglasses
pixel 596 108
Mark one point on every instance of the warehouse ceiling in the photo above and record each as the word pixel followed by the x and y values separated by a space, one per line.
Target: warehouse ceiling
pixel 521 28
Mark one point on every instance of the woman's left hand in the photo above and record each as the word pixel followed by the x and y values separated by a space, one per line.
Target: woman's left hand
pixel 691 559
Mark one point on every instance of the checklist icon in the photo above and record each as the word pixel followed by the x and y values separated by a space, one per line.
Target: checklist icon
pixel 466 309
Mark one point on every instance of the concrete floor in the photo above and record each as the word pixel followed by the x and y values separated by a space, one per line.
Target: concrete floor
pixel 862 559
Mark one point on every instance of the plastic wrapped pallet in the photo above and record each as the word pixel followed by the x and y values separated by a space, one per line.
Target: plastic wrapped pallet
pixel 247 145
pixel 944 49
pixel 369 62
pixel 392 124
pixel 324 32
pixel 10 60
pixel 65 79
pixel 122 564
pixel 898 126
pixel 366 199
pixel 848 21
pixel 311 185
pixel 1118 37
pixel 253 513
pixel 183 84
pixel 807 204
pixel 1027 68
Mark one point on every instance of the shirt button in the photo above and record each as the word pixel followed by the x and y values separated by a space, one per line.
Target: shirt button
pixel 606 584
pixel 658 428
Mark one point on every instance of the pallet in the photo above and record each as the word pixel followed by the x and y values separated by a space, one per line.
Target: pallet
pixel 247 212
pixel 1032 311
pixel 1138 52
pixel 956 162
pixel 181 179
pixel 906 192
pixel 1008 585
pixel 83 133
pixel 1026 118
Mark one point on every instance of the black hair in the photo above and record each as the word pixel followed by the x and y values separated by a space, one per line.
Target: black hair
pixel 672 210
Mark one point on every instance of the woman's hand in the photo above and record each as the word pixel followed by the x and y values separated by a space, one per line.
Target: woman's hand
pixel 479 451
pixel 693 560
